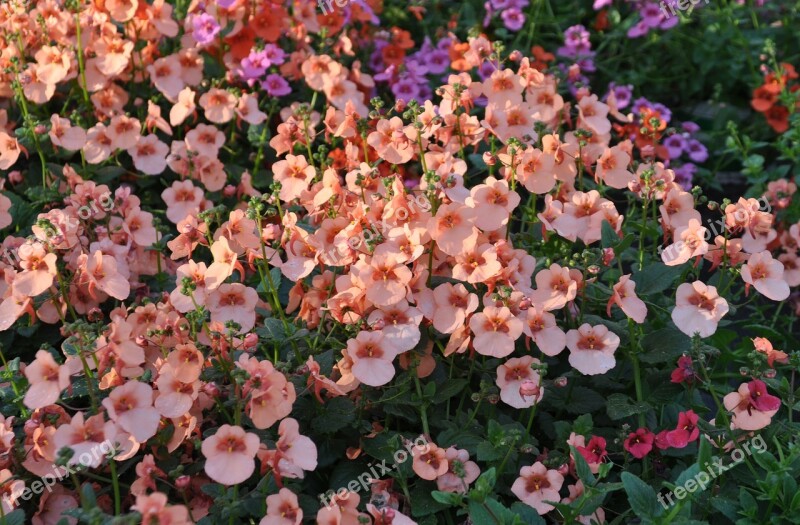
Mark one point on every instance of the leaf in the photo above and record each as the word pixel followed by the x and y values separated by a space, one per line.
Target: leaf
pixel 608 236
pixel 580 400
pixel 620 406
pixel 582 468
pixel 664 345
pixel 491 512
pixel 527 513
pixel 641 496
pixel 448 389
pixel 423 503
pixel 14 518
pixel 488 452
pixel 451 499
pixel 272 330
pixel 339 412
pixel 655 278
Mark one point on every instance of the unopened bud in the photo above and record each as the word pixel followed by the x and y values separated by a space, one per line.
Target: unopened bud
pixel 529 388
pixel 560 382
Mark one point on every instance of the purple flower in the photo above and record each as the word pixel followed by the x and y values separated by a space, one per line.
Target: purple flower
pixel 651 15
pixel 684 175
pixel 690 127
pixel 513 19
pixel 205 28
pixel 437 61
pixel 697 152
pixel 225 4
pixel 676 145
pixel 666 114
pixel 623 94
pixel 638 30
pixel 600 4
pixel 276 86
pixel 274 54
pixel 406 89
pixel 577 37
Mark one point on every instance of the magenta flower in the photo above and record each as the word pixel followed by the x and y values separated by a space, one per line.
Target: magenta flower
pixel 205 28
pixel 276 86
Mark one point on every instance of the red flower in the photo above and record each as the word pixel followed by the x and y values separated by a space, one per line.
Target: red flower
pixel 686 432
pixel 594 451
pixel 640 443
pixel 685 371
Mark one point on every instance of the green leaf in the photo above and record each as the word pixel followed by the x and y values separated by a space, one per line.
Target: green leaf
pixel 527 513
pixel 582 468
pixel 451 499
pixel 14 518
pixel 272 330
pixel 608 237
pixel 488 452
pixel 641 496
pixel 655 278
pixel 620 406
pixel 448 389
pixel 339 412
pixel 663 346
pixel 491 512
pixel 423 503
pixel 483 485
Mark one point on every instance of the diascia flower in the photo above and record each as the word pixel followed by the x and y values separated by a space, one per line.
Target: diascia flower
pixel 639 443
pixel 47 379
pixel 536 485
pixel 230 454
pixel 510 377
pixel 698 309
pixel 591 349
pixel 282 509
pixel 752 406
pixel 495 331
pixel 372 357
pixel 625 297
pixel 766 276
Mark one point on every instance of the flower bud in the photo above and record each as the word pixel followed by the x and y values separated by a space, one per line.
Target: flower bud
pixel 560 382
pixel 529 388
pixel 488 158
pixel 250 341
pixel 229 191
pixel 183 482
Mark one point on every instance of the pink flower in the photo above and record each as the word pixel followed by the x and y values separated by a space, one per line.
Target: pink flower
pixel 219 105
pixel 542 328
pixel 536 485
pixel 149 155
pixel 295 174
pixel 430 461
pixel 154 509
pixel 764 346
pixel 372 357
pixel 131 407
pixel 234 302
pixel 282 509
pixel 766 275
pixel 103 275
pixel 698 309
pixel 494 203
pixel 625 297
pixel 450 481
pixel 47 379
pixel 639 443
pixel 555 287
pixel 512 375
pixel 230 454
pixel 591 349
pixel 296 450
pixel 752 406
pixel 39 270
pixel 495 331
pixel 452 305
pixel 685 371
pixel 685 432
pixel 453 228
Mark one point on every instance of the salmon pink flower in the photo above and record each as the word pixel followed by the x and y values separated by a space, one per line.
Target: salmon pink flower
pixel 234 302
pixel 154 509
pixel 686 431
pixel 537 485
pixel 752 406
pixel 296 452
pixel 430 461
pixel 149 155
pixel 510 377
pixel 103 275
pixel 698 309
pixel 612 168
pixel 175 397
pixel 9 150
pixel 282 509
pixel 219 105
pixel 131 407
pixel 591 349
pixel 458 465
pixel 764 346
pixel 184 107
pixel 639 443
pixel 542 328
pixel 47 379
pixel 230 454
pixel 85 438
pixel 183 199
pixel 39 270
pixel 494 203
pixel 766 275
pixel 295 174
pixel 625 297
pixel 386 280
pixel 64 135
pixel 555 287
pixel 495 331
pixel 372 357
pixel 452 305
pixel 453 228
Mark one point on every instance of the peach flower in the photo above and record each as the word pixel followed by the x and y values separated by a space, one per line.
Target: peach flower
pixel 230 454
pixel 510 377
pixel 698 309
pixel 537 485
pixel 495 331
pixel 154 509
pixel 131 407
pixel 752 406
pixel 625 297
pixel 430 461
pixel 591 349
pixel 765 274
pixel 282 509
pixel 372 357
pixel 47 379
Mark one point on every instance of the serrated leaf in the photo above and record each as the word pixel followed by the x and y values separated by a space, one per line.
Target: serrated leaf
pixel 448 389
pixel 663 346
pixel 619 406
pixel 641 496
pixel 339 412
pixel 655 278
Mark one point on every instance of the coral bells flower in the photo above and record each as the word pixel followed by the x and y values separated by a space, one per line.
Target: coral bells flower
pixel 372 357
pixel 766 275
pixel 686 431
pixel 430 461
pixel 536 485
pixel 495 331
pixel 639 443
pixel 230 454
pixel 591 349
pixel 47 380
pixel 625 297
pixel 685 372
pixel 752 406
pixel 698 309
pixel 512 376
